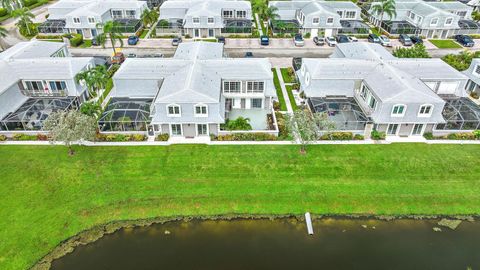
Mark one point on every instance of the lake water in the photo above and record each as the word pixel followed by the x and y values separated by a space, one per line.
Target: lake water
pixel 283 244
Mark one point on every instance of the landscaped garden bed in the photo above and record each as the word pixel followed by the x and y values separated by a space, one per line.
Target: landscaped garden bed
pixel 475 135
pixel 445 44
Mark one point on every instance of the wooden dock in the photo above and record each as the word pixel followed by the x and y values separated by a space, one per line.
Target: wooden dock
pixel 308 220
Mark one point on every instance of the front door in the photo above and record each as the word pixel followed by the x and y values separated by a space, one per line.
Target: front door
pixel 417 130
pixel 211 32
pixel 196 33
pixel 94 32
pixel 392 129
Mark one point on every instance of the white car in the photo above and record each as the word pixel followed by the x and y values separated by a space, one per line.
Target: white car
pixel 352 39
pixel 331 41
pixel 385 41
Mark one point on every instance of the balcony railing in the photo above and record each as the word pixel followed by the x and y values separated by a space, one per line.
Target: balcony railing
pixel 43 93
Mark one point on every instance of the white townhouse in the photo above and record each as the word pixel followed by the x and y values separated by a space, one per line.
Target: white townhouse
pixel 36 79
pixel 363 87
pixel 191 94
pixel 205 18
pixel 83 16
pixel 429 19
pixel 321 18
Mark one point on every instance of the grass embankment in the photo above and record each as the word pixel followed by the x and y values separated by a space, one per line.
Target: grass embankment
pixel 278 88
pixel 48 196
pixel 445 44
pixel 291 97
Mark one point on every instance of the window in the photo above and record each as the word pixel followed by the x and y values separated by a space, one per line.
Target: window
pixel 372 103
pixel 202 130
pixel 256 103
pixel 211 20
pixel 130 14
pixel 417 130
pixel 173 110
pixel 364 92
pixel 425 111
pixel 350 14
pixel 91 20
pixel 57 85
pixel 462 14
pixel 316 20
pixel 477 69
pixel 255 87
pixel 412 16
pixel 449 21
pixel 196 20
pixel 117 14
pixel 232 87
pixel 398 110
pixel 33 85
pixel 434 21
pixel 176 129
pixel 340 13
pixel 228 14
pixel 330 20
pixel 201 110
pixel 241 14
pixel 76 20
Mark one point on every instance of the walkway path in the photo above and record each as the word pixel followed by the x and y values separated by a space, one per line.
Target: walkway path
pixel 284 90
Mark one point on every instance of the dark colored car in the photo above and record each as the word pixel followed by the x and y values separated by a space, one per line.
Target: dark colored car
pixel 405 40
pixel 95 42
pixel 176 41
pixel 342 39
pixel 298 40
pixel 319 41
pixel 297 63
pixel 221 40
pixel 465 40
pixel 118 58
pixel 416 40
pixel 373 38
pixel 133 40
pixel 248 55
pixel 264 40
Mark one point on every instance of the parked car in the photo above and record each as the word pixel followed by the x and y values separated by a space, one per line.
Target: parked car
pixel 331 41
pixel 465 40
pixel 298 40
pixel 157 55
pixel 133 40
pixel 416 40
pixel 118 58
pixel 297 63
pixel 264 40
pixel 131 55
pixel 342 39
pixel 405 40
pixel 352 39
pixel 176 41
pixel 373 38
pixel 221 40
pixel 319 41
pixel 248 55
pixel 95 42
pixel 385 41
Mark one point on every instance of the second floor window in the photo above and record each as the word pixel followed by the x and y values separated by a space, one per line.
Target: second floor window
pixel 316 20
pixel 130 14
pixel 91 20
pixel 173 110
pixel 330 20
pixel 201 110
pixel 241 14
pixel 232 87
pixel 425 111
pixel 57 85
pixel 448 21
pixel 33 85
pixel 211 20
pixel 117 14
pixel 228 14
pixel 340 13
pixel 76 20
pixel 350 14
pixel 398 110
pixel 196 20
pixel 462 14
pixel 255 87
pixel 434 21
pixel 372 103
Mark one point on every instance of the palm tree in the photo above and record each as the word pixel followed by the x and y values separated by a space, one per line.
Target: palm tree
pixel 10 4
pixel 476 16
pixel 270 14
pixel 94 78
pixel 111 29
pixel 3 33
pixel 149 17
pixel 259 6
pixel 24 23
pixel 383 7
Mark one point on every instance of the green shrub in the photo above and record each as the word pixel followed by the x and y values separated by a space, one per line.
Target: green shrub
pixel 246 137
pixel 337 136
pixel 461 136
pixel 138 138
pixel 76 40
pixel 3 12
pixel 29 3
pixel 283 132
pixel 307 35
pixel 24 137
pixel 241 123
pixel 113 68
pixel 376 135
pixel 476 133
pixel 417 51
pixel 163 137
pixel 3 138
pixel 428 136
pixel 359 137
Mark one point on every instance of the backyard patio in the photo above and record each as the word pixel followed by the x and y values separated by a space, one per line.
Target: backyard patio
pixel 344 112
pixel 125 114
pixel 258 117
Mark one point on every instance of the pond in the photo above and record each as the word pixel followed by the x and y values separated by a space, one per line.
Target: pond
pixel 283 244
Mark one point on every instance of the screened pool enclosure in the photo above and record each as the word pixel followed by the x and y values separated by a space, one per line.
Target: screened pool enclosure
pixel 52 27
pixel 460 114
pixel 125 114
pixel 34 111
pixel 400 27
pixel 344 112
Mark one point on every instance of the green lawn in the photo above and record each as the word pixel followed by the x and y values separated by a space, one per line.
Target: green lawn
pixel 48 196
pixel 281 99
pixel 87 43
pixel 291 98
pixel 286 76
pixel 445 43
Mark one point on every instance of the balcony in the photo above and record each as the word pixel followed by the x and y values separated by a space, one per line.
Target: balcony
pixel 44 93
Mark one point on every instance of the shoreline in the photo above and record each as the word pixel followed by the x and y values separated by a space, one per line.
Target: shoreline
pixel 95 233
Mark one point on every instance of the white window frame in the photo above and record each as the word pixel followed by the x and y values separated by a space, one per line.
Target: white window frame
pixel 196 129
pixel 75 19
pixel 174 115
pixel 24 82
pixel 329 19
pixel 261 103
pixel 229 90
pixel 91 20
pixel 340 13
pixel 228 15
pixel 200 114
pixel 250 87
pixel 56 90
pixel 212 19
pixel 117 17
pixel 315 20
pixel 434 24
pixel 241 14
pixel 420 114
pixel 396 131
pixel 128 16
pixel 171 130
pixel 194 19
pixel 476 70
pixel 393 114
pixel 352 12
pixel 451 21
pixel 424 126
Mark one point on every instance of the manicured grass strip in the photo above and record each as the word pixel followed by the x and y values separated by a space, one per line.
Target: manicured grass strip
pixel 86 44
pixel 445 43
pixel 144 33
pixel 286 76
pixel 291 97
pixel 105 93
pixel 281 99
pixel 48 196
